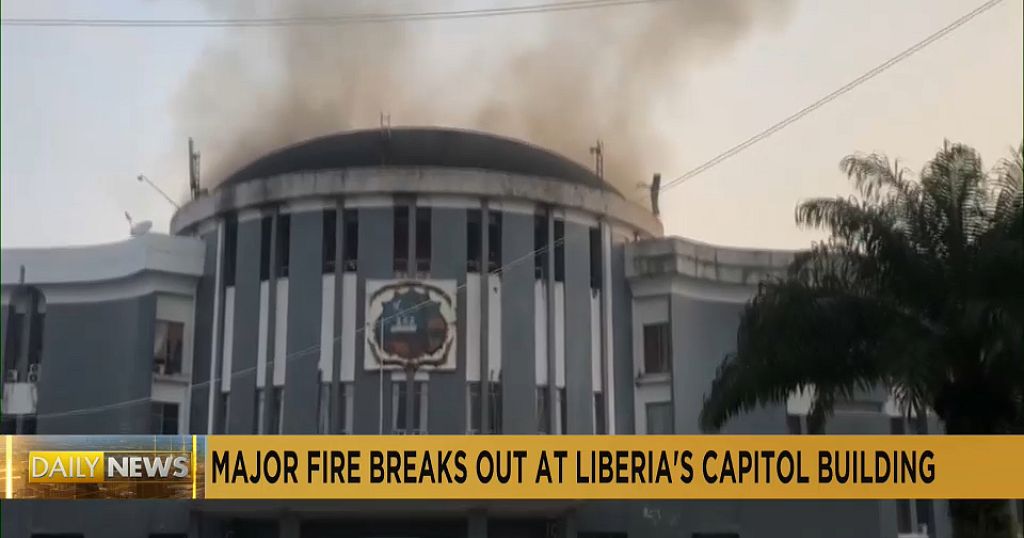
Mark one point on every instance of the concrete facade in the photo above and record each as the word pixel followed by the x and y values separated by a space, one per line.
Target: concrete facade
pixel 275 337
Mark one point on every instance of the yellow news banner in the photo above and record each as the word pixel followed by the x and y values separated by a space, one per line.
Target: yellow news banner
pixel 614 467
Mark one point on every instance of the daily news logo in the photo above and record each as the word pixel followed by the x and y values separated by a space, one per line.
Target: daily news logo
pixel 67 467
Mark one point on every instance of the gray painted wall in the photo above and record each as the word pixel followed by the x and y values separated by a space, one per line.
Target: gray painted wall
pixel 203 337
pixel 375 261
pixel 518 384
pixel 97 354
pixel 446 407
pixel 241 406
pixel 579 394
pixel 305 296
pixel 622 343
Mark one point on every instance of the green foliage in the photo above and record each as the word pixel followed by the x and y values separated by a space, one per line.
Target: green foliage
pixel 919 288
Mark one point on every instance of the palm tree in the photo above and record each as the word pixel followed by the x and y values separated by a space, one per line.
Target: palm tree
pixel 919 288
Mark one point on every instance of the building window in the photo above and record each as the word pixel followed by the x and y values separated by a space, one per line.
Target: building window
pixel 8 425
pixel 350 248
pixel 259 412
pixel 168 344
pixel 473 240
pixel 220 424
pixel 559 250
pixel 540 246
pixel 323 410
pixel 423 239
pixel 493 241
pixel 659 418
pixel 600 419
pixel 276 410
pixel 399 420
pixel 794 424
pixel 494 412
pixel 12 343
pixel 330 240
pixel 543 410
pixel 400 231
pixel 230 250
pixel 165 418
pixel 266 231
pixel 28 425
pixel 473 407
pixel 563 412
pixel 284 227
pixel 595 259
pixel 656 349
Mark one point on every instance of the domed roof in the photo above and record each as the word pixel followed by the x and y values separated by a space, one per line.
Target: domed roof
pixel 419 146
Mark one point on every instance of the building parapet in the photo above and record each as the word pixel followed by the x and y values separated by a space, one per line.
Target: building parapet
pixel 671 256
pixel 97 263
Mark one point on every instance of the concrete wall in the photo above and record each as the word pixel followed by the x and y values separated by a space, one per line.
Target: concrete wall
pixel 517 326
pixel 97 354
pixel 305 295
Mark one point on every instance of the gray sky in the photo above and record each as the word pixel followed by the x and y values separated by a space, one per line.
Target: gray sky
pixel 84 110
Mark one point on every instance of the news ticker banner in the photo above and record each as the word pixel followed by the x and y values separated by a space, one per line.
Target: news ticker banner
pixel 513 467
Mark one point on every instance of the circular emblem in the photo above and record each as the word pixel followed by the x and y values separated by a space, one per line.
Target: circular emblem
pixel 413 325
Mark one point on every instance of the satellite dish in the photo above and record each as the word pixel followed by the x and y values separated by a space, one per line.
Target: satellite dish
pixel 141 228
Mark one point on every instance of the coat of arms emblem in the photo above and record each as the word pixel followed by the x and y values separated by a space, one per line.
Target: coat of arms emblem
pixel 412 324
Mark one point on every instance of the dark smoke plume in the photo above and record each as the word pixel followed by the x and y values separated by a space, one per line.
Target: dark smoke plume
pixel 560 80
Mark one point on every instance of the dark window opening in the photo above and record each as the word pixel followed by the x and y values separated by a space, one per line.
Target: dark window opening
pixel 596 273
pixel 600 420
pixel 8 425
pixel 221 425
pixel 563 412
pixel 258 410
pixel 794 424
pixel 266 229
pixel 168 345
pixel 284 226
pixel 276 409
pixel 897 426
pixel 423 239
pixel 330 240
pixel 323 410
pixel 35 337
pixel 543 410
pixel 28 425
pixel 230 250
pixel 473 405
pixel 540 246
pixel 656 349
pixel 165 418
pixel 659 418
pixel 350 250
pixel 473 240
pixel 12 336
pixel 343 406
pixel 494 409
pixel 494 242
pixel 925 517
pixel 400 231
pixel 559 251
pixel 402 423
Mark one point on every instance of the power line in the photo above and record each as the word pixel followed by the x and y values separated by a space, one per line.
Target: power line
pixel 529 256
pixel 870 74
pixel 335 20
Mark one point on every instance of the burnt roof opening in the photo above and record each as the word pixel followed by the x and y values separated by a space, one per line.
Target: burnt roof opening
pixel 419 146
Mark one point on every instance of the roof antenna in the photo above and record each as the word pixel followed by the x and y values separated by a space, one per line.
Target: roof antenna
pixel 385 125
pixel 597 151
pixel 655 191
pixel 193 169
